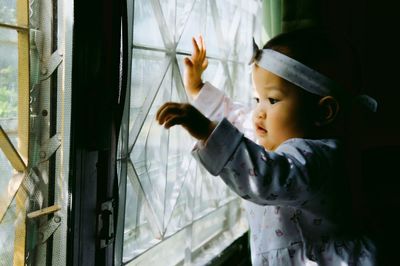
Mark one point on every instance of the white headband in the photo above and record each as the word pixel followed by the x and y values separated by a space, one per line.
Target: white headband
pixel 302 76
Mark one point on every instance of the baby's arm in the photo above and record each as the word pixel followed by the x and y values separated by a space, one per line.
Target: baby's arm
pixel 285 178
pixel 212 102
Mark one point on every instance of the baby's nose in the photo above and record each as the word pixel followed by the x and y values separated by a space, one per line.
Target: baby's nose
pixel 261 114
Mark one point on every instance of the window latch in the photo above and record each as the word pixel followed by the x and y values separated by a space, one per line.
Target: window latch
pixel 47 229
pixel 106 224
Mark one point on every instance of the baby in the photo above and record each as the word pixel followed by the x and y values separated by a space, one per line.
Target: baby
pixel 292 176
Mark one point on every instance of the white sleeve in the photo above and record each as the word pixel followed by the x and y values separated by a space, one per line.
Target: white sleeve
pixel 289 177
pixel 216 105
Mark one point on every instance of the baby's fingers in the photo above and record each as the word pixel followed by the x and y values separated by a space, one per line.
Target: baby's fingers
pixel 202 48
pixel 196 49
pixel 173 120
pixel 188 62
pixel 168 109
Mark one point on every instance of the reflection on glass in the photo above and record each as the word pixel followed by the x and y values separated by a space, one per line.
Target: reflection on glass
pixel 7 236
pixel 167 192
pixel 8 78
pixel 6 171
pixel 8 11
pixel 8 98
pixel 145 30
pixel 241 80
pixel 148 69
pixel 194 26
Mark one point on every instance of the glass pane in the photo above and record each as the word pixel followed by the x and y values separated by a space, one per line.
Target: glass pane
pixel 243 49
pixel 7 236
pixel 241 81
pixel 145 30
pixel 193 27
pixel 214 232
pixel 168 10
pixel 183 12
pixel 140 231
pixel 8 79
pixel 8 98
pixel 171 200
pixel 148 69
pixel 169 252
pixel 8 11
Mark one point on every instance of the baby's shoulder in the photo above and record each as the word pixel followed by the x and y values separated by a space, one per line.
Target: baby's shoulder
pixel 308 148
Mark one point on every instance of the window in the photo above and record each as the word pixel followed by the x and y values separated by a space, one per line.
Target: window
pixel 175 211
pixel 33 118
pixel 14 127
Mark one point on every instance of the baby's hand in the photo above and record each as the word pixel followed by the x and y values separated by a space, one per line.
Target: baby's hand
pixel 171 114
pixel 194 67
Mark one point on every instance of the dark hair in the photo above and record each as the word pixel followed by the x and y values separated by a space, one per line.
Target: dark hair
pixel 324 52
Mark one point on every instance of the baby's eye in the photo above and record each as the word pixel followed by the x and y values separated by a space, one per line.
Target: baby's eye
pixel 256 99
pixel 272 100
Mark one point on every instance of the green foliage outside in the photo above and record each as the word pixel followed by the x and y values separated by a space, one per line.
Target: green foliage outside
pixel 8 92
pixel 8 73
pixel 7 13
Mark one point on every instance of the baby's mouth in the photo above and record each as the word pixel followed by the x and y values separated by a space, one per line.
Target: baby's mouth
pixel 260 130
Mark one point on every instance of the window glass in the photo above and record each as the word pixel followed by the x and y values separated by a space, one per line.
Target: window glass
pixel 9 123
pixel 7 11
pixel 146 30
pixel 7 236
pixel 8 79
pixel 171 201
pixel 8 115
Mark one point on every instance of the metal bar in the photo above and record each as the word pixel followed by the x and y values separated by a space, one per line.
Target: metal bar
pixel 11 153
pixel 14 27
pixel 149 211
pixel 65 20
pixel 124 142
pixel 141 118
pixel 23 125
pixel 18 163
pixel 7 198
pixel 44 211
pixel 162 24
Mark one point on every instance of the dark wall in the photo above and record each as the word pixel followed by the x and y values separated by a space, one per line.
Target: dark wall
pixel 372 28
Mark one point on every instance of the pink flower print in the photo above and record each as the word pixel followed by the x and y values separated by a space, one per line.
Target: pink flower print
pixel 278 232
pixel 252 172
pixel 263 157
pixel 306 153
pixel 290 163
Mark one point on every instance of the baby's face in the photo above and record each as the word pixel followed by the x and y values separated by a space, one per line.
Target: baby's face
pixel 280 113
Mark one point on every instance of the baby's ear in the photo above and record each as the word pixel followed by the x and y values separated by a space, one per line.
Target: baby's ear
pixel 328 109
